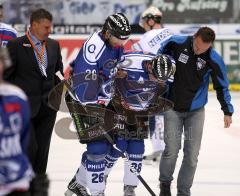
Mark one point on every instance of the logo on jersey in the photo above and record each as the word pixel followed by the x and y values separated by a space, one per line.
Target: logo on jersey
pixel 159 37
pixel 200 64
pixel 140 80
pixel 91 48
pixel 183 58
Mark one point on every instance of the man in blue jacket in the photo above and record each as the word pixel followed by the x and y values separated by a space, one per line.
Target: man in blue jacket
pixel 196 61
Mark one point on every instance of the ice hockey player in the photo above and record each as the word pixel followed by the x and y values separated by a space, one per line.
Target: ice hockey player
pixel 97 58
pixel 15 169
pixel 150 42
pixel 139 67
pixel 7 32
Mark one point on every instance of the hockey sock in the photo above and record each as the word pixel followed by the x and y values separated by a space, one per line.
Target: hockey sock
pixel 135 160
pixel 110 162
pixel 112 157
pixel 95 175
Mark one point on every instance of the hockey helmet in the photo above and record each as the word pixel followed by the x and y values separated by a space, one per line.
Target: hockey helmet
pixel 163 67
pixel 118 26
pixel 151 13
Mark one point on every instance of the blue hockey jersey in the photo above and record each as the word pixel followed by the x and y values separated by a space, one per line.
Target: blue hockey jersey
pixel 138 90
pixel 7 33
pixel 15 170
pixel 94 69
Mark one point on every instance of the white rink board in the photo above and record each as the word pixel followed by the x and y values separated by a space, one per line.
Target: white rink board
pixel 218 172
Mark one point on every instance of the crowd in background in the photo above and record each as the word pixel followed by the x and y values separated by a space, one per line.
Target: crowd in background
pixel 79 11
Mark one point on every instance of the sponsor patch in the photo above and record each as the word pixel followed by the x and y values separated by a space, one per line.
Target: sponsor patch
pixel 183 58
pixel 200 63
pixel 91 48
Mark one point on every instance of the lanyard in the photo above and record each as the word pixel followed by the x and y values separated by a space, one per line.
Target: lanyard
pixel 39 54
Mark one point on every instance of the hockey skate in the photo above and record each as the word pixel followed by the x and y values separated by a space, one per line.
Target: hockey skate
pixel 154 157
pixel 75 188
pixel 129 190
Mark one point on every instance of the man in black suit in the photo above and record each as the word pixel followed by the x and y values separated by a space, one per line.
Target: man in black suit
pixel 36 58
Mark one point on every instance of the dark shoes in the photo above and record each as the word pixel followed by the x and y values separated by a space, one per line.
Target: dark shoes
pixel 165 189
pixel 39 185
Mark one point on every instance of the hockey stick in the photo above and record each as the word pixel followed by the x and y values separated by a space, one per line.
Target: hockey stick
pixel 110 140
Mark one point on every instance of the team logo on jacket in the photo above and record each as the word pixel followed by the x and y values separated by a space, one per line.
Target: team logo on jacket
pixel 183 58
pixel 200 63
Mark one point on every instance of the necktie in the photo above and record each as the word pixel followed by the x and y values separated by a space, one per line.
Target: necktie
pixel 42 60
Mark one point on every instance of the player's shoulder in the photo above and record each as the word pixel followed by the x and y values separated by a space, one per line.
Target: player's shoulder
pixel 143 54
pixel 152 33
pixel 94 47
pixel 133 59
pixel 179 38
pixel 9 90
pixel 19 41
pixel 7 27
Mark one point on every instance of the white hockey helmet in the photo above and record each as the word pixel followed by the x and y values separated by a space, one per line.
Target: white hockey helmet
pixel 151 13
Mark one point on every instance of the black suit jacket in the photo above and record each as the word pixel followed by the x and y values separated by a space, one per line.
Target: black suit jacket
pixel 25 71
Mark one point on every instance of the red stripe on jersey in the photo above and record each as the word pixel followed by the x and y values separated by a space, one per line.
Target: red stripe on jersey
pixel 12 107
pixel 6 37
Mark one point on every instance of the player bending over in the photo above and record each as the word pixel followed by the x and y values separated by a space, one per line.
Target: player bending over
pixel 97 61
pixel 143 85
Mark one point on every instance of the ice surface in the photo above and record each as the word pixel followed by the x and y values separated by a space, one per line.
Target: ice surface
pixel 218 172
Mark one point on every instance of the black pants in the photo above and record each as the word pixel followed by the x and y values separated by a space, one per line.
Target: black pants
pixel 17 193
pixel 40 136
